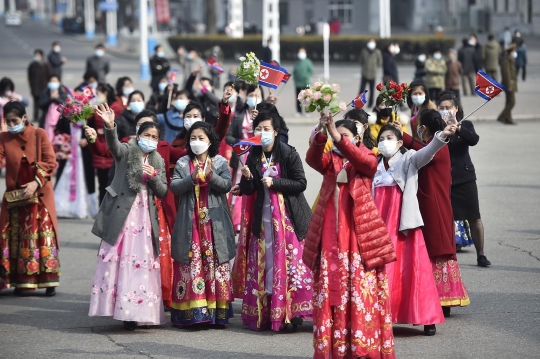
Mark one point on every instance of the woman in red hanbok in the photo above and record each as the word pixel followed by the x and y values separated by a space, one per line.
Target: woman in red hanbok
pixel 347 247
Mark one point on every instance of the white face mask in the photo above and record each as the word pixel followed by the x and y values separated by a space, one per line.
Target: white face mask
pixel 180 104
pixel 100 52
pixel 418 99
pixel 127 91
pixel 8 93
pixel 514 55
pixel 421 58
pixel 360 129
pixel 437 56
pixel 371 45
pixel 188 122
pixel 199 147
pixel 388 148
pixel 56 49
pixel 302 55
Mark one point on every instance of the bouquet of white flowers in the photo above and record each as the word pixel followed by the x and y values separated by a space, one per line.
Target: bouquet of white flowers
pixel 249 69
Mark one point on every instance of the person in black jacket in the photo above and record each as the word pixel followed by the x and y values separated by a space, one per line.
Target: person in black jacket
pixel 56 60
pixel 126 121
pixel 389 63
pixel 38 78
pixel 159 67
pixel 464 192
pixel 279 221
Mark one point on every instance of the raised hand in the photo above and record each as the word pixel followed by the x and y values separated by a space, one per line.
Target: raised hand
pixel 332 130
pixel 195 172
pixel 227 95
pixel 106 114
pixel 272 99
pixel 449 130
pixel 254 114
pixel 398 126
pixel 209 168
pixel 197 71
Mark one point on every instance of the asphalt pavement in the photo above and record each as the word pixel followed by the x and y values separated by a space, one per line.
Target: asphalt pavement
pixel 501 321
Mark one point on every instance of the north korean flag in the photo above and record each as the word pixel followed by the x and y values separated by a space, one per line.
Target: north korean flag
pixel 172 76
pixel 270 75
pixel 486 87
pixel 213 63
pixel 287 75
pixel 359 101
pixel 244 146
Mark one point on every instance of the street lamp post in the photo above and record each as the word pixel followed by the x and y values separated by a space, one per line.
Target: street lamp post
pixel 326 46
pixel 236 19
pixel 384 19
pixel 143 28
pixel 271 26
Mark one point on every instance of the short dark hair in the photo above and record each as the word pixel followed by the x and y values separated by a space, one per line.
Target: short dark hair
pixel 432 120
pixel 210 133
pixel 38 51
pixel 195 105
pixel 136 92
pixel 100 46
pixel 15 107
pixel 396 132
pixel 449 96
pixel 103 87
pixel 157 47
pixel 235 85
pixel 349 125
pixel 120 84
pixel 50 77
pixel 6 83
pixel 490 37
pixel 268 111
pixel 89 74
pixel 145 126
pixel 55 43
pixel 412 86
pixel 146 113
pixel 183 92
pixel 207 79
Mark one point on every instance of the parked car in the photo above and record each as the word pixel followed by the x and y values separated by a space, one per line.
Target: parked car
pixel 13 18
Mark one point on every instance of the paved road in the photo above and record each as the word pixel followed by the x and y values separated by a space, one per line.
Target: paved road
pixel 502 320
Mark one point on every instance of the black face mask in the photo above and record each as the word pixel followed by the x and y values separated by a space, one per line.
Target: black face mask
pixel 385 112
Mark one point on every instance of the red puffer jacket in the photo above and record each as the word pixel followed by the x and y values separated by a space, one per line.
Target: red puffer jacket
pixel 375 245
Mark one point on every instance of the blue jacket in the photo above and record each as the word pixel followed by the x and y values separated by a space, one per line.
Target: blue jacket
pixel 172 122
pixel 521 59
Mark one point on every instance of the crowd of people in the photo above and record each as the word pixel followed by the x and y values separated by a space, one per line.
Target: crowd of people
pixel 187 225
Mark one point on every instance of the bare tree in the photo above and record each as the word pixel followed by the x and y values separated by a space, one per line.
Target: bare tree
pixel 211 17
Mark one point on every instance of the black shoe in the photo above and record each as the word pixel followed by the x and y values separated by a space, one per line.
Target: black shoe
pixel 296 321
pixel 50 292
pixel 458 247
pixel 130 325
pixel 483 261
pixel 446 311
pixel 430 330
pixel 21 293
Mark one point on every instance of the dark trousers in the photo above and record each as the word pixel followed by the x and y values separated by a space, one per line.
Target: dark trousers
pixel 506 114
pixel 524 73
pixel 469 77
pixel 371 91
pixel 434 94
pixel 103 181
pixel 298 105
pixel 36 108
pixel 493 74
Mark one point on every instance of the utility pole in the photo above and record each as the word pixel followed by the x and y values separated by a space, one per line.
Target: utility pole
pixel 236 18
pixel 112 27
pixel 271 26
pixel 384 19
pixel 143 29
pixel 89 18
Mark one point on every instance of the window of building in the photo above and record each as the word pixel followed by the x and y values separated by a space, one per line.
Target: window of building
pixel 283 13
pixel 341 10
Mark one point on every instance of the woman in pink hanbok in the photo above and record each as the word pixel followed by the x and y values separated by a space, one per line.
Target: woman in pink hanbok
pixel 413 293
pixel 277 287
pixel 127 282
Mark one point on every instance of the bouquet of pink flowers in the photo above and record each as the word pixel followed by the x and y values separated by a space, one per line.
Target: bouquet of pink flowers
pixel 321 97
pixel 62 146
pixel 77 108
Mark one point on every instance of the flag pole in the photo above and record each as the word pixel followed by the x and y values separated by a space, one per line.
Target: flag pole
pixel 478 108
pixel 281 89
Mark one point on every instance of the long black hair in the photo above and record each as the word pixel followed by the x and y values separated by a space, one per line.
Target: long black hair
pixel 358 114
pixel 15 107
pixel 396 133
pixel 213 150
pixel 120 84
pixel 136 92
pixel 104 87
pixel 6 83
pixel 432 120
pixel 412 86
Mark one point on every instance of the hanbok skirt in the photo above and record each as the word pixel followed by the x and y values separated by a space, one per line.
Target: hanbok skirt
pixel 127 282
pixel 463 233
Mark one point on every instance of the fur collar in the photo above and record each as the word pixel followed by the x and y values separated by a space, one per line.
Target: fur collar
pixel 134 168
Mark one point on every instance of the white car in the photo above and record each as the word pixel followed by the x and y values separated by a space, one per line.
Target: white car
pixel 13 19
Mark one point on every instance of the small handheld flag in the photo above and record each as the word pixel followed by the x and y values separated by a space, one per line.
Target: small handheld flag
pixel 244 146
pixel 172 76
pixel 486 87
pixel 214 64
pixel 359 101
pixel 287 75
pixel 271 75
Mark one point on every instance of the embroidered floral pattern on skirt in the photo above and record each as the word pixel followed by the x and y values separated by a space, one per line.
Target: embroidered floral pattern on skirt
pixel 452 291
